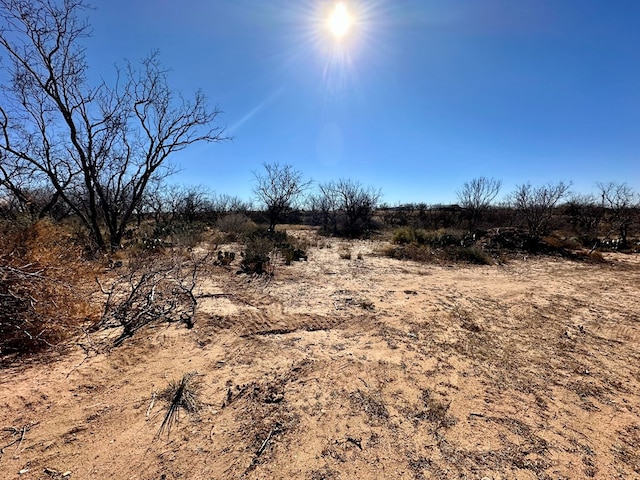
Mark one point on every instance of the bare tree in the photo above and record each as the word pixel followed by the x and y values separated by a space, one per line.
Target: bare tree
pixel 585 214
pixel 325 207
pixel 279 190
pixel 348 203
pixel 476 196
pixel 97 146
pixel 359 203
pixel 193 202
pixel 621 205
pixel 537 204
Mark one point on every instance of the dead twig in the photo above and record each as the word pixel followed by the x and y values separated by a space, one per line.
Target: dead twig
pixel 355 441
pixel 20 432
pixel 274 430
pixel 151 404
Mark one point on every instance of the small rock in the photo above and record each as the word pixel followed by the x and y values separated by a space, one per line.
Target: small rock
pixel 23 471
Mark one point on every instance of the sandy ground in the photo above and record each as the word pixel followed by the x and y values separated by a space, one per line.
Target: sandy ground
pixel 361 368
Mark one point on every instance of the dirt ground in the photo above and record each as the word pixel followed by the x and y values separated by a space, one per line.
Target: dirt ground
pixel 362 367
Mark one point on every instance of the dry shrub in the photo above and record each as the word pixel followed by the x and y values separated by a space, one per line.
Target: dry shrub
pixel 236 226
pixel 44 288
pixel 411 251
pixel 467 255
pixel 257 255
pixel 434 238
pixel 152 288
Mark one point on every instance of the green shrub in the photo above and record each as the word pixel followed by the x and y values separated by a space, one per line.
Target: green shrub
pixel 404 235
pixel 444 237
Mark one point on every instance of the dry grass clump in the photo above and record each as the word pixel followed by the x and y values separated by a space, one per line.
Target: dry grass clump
pixel 411 251
pixel 44 288
pixel 181 394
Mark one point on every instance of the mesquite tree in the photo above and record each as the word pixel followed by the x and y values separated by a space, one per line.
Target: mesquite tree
pixel 620 204
pixel 537 204
pixel 279 190
pixel 97 147
pixel 346 203
pixel 476 196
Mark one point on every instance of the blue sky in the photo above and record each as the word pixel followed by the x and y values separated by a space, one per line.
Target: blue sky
pixel 419 97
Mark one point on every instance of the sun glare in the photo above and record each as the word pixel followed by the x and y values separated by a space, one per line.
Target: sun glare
pixel 340 21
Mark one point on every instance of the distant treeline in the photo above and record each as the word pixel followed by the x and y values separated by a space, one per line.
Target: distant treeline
pixel 348 208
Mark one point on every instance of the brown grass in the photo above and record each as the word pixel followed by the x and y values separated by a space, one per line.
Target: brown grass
pixel 45 289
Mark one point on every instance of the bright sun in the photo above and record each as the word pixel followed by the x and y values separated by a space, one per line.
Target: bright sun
pixel 340 21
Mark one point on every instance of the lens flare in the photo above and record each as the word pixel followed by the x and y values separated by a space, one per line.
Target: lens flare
pixel 340 21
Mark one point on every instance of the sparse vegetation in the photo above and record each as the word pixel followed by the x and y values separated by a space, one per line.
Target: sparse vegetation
pixel 350 365
pixel 445 357
pixel 236 226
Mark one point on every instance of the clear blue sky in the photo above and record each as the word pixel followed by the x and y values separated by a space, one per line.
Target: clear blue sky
pixel 420 96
